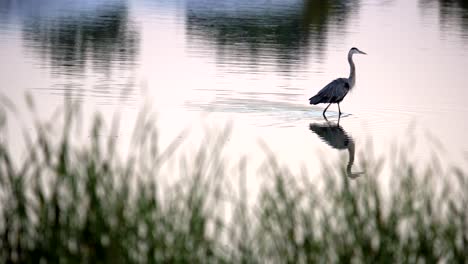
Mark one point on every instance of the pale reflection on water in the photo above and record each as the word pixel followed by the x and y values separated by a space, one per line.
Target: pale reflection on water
pixel 252 62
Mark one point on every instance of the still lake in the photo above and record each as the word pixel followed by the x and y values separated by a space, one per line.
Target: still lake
pixel 202 64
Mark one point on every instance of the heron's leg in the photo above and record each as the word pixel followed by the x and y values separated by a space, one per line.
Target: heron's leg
pixel 326 110
pixel 339 110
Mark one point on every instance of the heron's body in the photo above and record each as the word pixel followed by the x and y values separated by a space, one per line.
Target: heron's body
pixel 335 92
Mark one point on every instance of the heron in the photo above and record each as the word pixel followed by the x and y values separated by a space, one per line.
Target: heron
pixel 336 91
pixel 336 137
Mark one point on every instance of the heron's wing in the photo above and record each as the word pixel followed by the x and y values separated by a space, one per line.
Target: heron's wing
pixel 333 91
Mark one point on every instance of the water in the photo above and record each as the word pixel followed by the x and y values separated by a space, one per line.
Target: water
pixel 251 63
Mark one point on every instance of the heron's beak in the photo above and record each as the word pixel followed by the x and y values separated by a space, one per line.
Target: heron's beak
pixel 362 52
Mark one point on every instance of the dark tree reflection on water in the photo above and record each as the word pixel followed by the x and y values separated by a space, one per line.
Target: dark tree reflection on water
pixel 451 12
pixel 84 42
pixel 257 33
pixel 71 43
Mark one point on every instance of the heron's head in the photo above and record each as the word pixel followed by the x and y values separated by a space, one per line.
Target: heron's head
pixel 356 51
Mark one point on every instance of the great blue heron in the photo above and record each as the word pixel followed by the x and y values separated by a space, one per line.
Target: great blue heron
pixel 336 91
pixel 336 137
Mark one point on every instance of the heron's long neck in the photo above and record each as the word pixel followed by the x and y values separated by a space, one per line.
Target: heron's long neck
pixel 351 156
pixel 352 73
pixel 351 174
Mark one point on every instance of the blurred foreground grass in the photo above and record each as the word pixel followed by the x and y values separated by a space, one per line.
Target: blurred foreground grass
pixel 69 204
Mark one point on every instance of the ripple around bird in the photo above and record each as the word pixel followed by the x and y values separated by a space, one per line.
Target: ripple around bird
pixel 267 113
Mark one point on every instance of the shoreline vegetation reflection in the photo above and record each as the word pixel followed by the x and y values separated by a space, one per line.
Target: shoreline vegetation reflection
pixel 284 34
pixel 82 42
pixel 85 204
pixel 451 13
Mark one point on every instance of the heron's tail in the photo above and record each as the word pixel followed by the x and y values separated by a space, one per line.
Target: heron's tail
pixel 315 99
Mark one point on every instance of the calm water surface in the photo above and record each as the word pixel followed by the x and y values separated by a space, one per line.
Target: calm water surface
pixel 250 62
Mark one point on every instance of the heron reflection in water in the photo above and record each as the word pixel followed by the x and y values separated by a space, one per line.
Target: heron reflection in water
pixel 335 136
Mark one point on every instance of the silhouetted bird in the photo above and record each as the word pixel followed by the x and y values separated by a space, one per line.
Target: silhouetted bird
pixel 336 91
